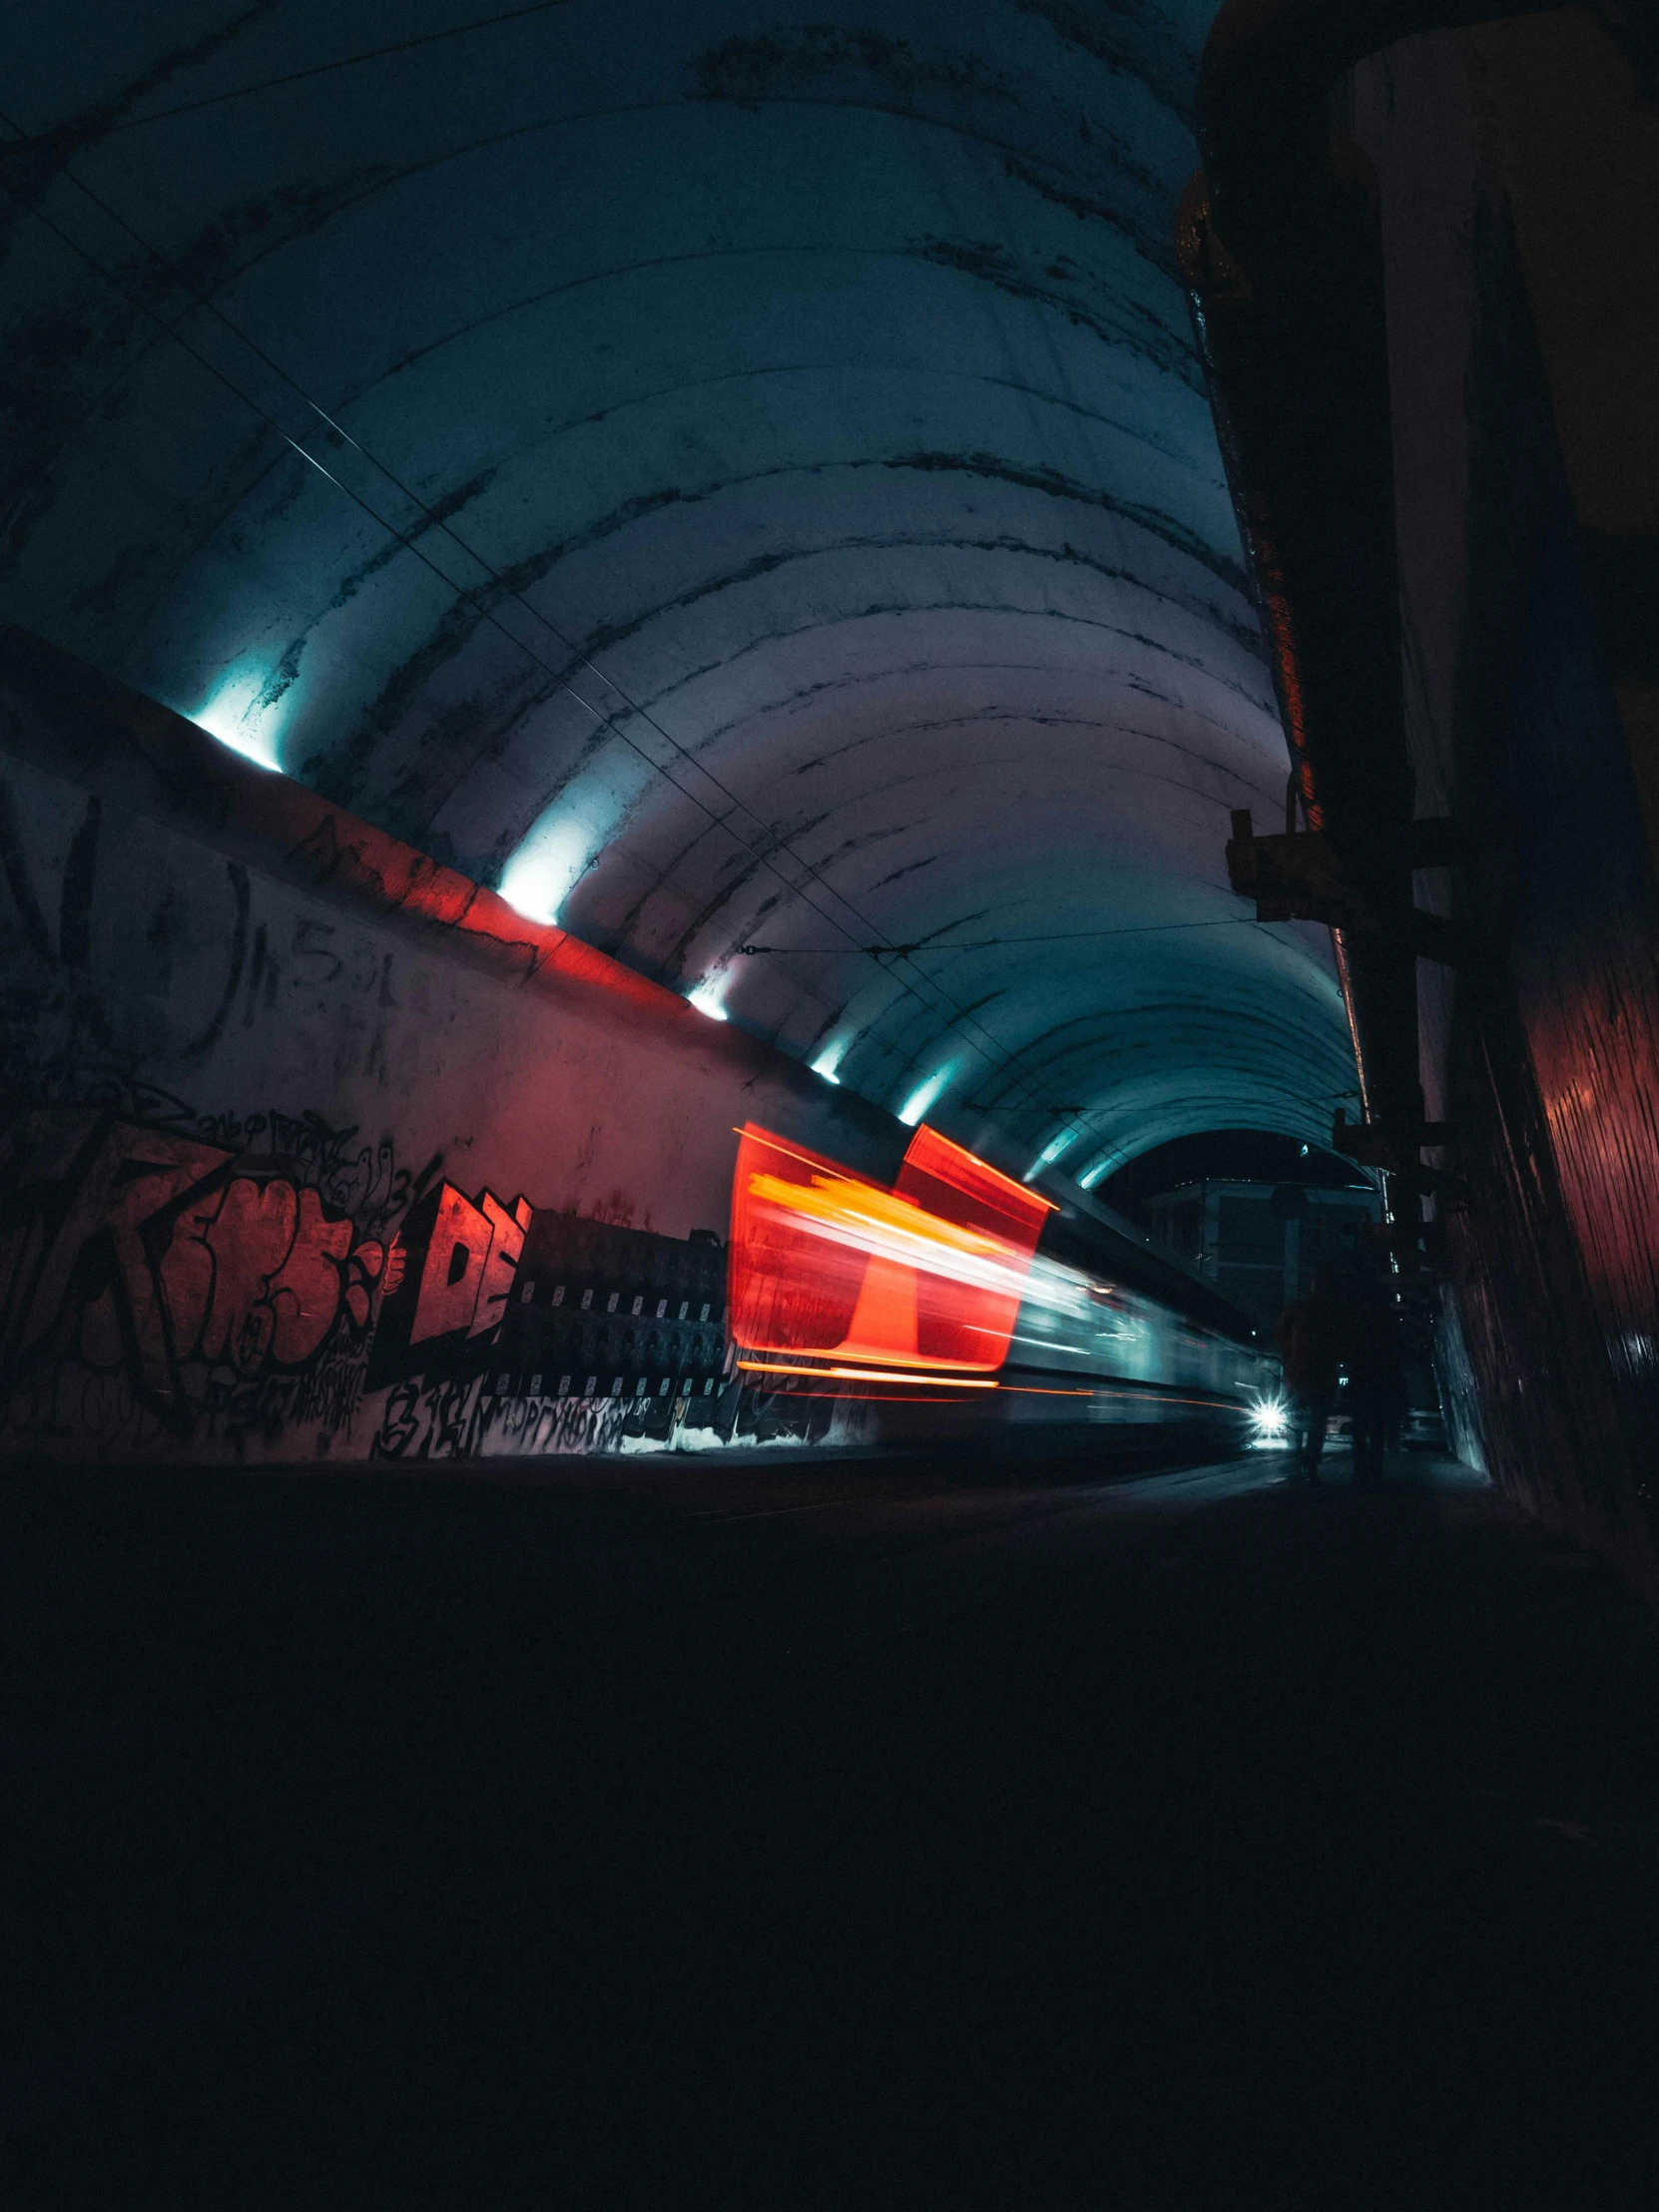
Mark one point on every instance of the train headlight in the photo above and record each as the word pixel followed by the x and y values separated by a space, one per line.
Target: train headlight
pixel 1269 1422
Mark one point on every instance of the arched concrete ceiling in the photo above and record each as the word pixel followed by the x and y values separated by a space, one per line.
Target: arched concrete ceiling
pixel 768 497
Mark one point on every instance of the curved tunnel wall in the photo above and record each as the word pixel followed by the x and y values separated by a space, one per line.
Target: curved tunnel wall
pixel 762 494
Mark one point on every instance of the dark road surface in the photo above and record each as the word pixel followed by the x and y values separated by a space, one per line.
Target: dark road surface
pixel 959 1832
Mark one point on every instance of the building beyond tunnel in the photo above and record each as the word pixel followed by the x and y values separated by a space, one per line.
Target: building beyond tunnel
pixel 1261 1244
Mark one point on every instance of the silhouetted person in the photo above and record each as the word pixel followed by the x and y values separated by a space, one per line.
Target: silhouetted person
pixel 1371 1352
pixel 1310 1339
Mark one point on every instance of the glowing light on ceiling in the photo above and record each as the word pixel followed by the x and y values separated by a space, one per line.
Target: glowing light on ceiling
pixel 922 1097
pixel 241 716
pixel 547 867
pixel 707 998
pixel 830 1061
pixel 1052 1151
pixel 1091 1176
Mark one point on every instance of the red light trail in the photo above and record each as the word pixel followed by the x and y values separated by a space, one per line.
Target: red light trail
pixel 928 1276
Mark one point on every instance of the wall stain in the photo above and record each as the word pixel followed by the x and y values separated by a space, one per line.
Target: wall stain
pixel 74 902
pixel 14 859
pixel 1141 331
pixel 194 1054
pixel 752 67
pixel 1168 69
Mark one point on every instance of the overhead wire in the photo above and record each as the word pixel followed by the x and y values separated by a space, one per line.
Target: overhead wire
pixel 989 944
pixel 47 139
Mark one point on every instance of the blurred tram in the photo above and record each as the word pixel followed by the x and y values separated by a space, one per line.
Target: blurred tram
pixel 959 1301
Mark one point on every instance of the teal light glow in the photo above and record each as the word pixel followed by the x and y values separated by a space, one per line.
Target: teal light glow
pixel 1052 1151
pixel 241 715
pixel 708 998
pixel 924 1096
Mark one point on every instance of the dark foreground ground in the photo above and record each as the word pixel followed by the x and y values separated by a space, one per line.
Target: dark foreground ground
pixel 823 1834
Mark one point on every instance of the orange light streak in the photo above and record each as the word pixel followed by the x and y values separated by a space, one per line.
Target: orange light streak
pixel 1035 1390
pixel 869 1375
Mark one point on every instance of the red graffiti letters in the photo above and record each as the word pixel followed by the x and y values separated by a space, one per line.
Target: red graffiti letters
pixel 140 1249
pixel 471 1259
pixel 104 1185
pixel 256 1273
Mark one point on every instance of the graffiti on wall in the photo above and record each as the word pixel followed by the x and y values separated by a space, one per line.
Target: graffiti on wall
pixel 159 1279
pixel 504 1328
pixel 169 1281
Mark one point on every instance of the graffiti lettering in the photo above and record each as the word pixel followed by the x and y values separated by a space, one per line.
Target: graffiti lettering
pixel 243 1283
pixel 257 1272
pixel 440 1421
pixel 470 1264
pixel 141 1251
pixel 89 1197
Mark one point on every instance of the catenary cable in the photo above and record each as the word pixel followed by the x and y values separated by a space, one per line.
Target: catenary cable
pixel 992 944
pixel 73 136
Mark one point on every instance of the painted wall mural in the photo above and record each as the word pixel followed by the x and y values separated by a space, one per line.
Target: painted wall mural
pixel 278 1287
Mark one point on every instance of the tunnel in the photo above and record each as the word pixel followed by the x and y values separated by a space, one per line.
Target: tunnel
pixel 760 764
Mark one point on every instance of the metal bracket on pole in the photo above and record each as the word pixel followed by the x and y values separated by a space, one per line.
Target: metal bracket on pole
pixel 1297 877
pixel 1294 878
pixel 1394 1150
pixel 1376 1147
